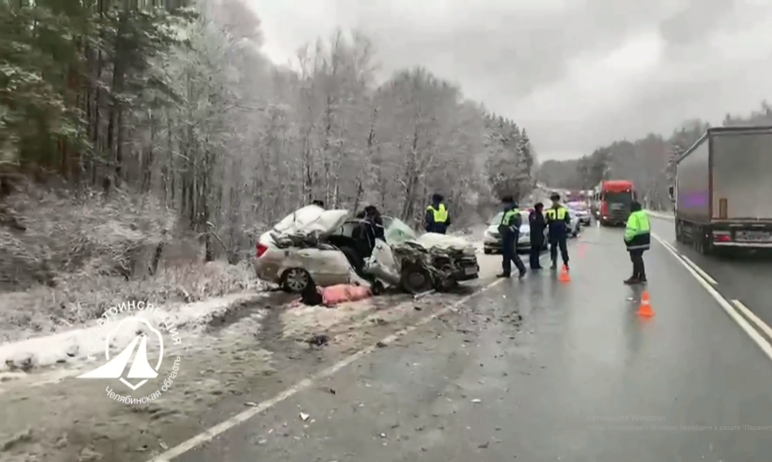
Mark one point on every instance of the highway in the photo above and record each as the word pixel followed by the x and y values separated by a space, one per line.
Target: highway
pixel 743 280
pixel 531 370
pixel 581 377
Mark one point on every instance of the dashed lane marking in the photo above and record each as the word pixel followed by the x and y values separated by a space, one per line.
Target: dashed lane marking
pixel 731 310
pixel 242 417
pixel 694 266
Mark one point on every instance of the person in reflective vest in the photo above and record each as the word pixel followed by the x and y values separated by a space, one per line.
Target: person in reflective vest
pixel 559 222
pixel 509 229
pixel 637 240
pixel 437 218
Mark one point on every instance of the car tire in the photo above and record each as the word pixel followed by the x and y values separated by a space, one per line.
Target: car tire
pixel 295 280
pixel 415 279
pixel 487 251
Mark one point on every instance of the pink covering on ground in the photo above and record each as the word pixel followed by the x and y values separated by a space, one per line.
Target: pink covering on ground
pixel 340 293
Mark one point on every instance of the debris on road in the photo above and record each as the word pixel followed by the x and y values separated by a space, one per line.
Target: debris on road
pixel 318 340
pixel 476 400
pixel 423 294
pixel 304 417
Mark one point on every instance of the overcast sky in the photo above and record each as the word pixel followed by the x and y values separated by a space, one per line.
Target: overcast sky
pixel 576 74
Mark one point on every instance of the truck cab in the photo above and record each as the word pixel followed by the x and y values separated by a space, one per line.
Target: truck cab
pixel 616 197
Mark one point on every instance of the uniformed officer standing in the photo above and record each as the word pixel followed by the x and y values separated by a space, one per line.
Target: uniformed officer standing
pixel 559 222
pixel 638 240
pixel 509 229
pixel 437 218
pixel 538 224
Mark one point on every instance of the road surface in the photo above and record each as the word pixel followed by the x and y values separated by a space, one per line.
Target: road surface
pixel 745 278
pixel 580 377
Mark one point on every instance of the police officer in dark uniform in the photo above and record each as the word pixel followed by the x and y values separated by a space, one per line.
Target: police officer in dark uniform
pixel 538 224
pixel 509 229
pixel 437 217
pixel 559 223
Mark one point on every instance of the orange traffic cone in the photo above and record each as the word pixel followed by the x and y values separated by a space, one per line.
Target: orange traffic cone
pixel 645 309
pixel 564 276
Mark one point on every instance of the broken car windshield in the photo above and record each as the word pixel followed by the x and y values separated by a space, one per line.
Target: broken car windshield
pixel 397 231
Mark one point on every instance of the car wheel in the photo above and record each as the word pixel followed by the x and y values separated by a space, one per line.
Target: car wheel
pixel 416 279
pixel 295 280
pixel 487 251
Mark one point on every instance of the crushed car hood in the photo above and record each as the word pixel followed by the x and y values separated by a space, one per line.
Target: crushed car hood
pixel 445 242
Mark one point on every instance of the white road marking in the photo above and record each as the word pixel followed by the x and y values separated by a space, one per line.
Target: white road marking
pixel 750 315
pixel 728 307
pixel 222 427
pixel 694 266
pixel 242 417
pixel 705 275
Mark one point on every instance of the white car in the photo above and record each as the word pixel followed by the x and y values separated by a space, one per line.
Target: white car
pixel 492 238
pixel 581 212
pixel 328 247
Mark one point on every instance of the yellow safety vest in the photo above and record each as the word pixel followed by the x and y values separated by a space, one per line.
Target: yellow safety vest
pixel 559 214
pixel 441 215
pixel 637 224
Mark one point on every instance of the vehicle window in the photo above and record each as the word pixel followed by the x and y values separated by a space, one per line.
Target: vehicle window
pixel 397 231
pixel 619 197
pixel 347 229
pixel 497 219
pixel 577 206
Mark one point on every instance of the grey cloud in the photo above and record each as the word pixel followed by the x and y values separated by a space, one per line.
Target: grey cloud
pixel 503 53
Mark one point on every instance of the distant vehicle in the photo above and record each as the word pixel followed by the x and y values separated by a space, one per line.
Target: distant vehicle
pixel 614 198
pixel 492 238
pixel 723 192
pixel 581 212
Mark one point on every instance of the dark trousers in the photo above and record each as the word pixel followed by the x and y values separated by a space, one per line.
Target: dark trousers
pixel 535 254
pixel 639 269
pixel 509 255
pixel 555 242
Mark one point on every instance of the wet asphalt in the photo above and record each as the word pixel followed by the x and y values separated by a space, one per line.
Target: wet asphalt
pixel 581 377
pixel 740 276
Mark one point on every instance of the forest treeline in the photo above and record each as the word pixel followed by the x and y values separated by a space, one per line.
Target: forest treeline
pixel 174 102
pixel 649 161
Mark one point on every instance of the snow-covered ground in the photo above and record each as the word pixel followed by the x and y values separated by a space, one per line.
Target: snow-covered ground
pixel 81 344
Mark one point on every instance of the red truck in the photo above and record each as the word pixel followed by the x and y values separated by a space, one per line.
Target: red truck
pixel 611 201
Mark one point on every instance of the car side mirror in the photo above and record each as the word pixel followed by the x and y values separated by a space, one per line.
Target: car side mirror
pixel 670 191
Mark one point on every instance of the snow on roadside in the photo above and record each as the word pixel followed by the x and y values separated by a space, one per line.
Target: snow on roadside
pixel 301 320
pixel 90 341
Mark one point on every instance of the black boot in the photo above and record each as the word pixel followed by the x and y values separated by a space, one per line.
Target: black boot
pixel 632 280
pixel 554 265
pixel 502 275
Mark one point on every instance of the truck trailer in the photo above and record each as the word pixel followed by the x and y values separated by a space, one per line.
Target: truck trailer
pixel 723 190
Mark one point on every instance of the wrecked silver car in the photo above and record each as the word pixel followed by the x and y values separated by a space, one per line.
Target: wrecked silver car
pixel 328 247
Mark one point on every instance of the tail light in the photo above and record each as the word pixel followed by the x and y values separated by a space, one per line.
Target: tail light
pixel 261 249
pixel 722 236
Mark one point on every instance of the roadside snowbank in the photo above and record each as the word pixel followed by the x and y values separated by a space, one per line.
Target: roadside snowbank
pixel 90 341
